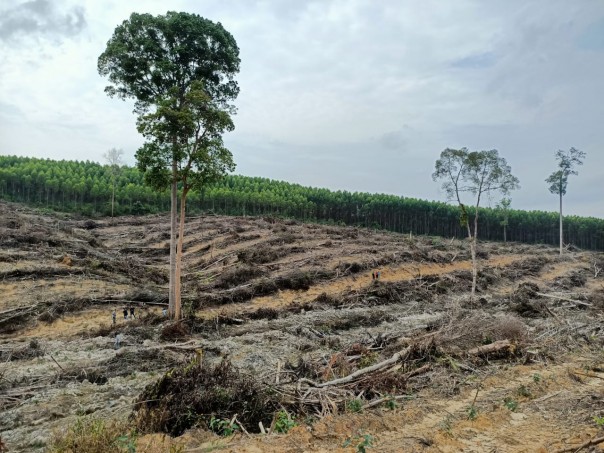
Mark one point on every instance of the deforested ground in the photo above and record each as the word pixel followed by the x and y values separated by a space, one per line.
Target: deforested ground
pixel 286 326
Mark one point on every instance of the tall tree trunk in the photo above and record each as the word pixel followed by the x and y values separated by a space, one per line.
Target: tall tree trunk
pixel 181 234
pixel 473 245
pixel 173 227
pixel 112 198
pixel 561 235
pixel 505 238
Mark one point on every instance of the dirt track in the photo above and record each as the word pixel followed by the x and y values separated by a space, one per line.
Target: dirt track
pixel 301 293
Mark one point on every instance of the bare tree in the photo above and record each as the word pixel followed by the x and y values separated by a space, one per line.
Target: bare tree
pixel 113 157
pixel 476 173
pixel 558 180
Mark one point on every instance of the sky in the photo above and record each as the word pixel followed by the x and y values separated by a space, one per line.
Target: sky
pixel 357 95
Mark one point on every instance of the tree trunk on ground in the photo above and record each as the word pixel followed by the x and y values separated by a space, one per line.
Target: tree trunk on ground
pixel 173 227
pixel 181 234
pixel 561 235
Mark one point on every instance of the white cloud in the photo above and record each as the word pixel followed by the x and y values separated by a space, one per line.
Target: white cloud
pixel 352 94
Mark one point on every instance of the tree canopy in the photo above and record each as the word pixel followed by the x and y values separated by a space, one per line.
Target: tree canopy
pixel 180 70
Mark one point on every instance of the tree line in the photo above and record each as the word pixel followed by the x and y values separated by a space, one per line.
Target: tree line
pixel 86 188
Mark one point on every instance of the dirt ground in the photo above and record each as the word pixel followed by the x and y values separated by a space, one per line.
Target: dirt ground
pixel 289 302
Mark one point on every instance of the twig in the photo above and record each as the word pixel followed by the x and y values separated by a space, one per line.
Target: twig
pixel 53 359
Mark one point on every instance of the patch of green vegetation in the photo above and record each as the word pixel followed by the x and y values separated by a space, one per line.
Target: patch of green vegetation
pixel 510 403
pixel 355 405
pixel 284 422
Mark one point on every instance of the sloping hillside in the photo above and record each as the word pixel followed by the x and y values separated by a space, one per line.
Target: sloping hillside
pixel 518 368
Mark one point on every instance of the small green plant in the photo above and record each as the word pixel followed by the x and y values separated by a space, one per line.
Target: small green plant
pixel 523 390
pixel 599 421
pixel 536 378
pixel 391 403
pixel 510 403
pixel 446 425
pixel 472 412
pixel 284 422
pixel 223 427
pixel 368 359
pixel 355 405
pixel 128 442
pixel 361 442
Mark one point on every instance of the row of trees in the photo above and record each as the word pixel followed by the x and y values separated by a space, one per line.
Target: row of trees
pixel 86 187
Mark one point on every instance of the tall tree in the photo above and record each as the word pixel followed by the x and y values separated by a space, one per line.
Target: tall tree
pixel 202 158
pixel 504 208
pixel 558 180
pixel 167 63
pixel 113 157
pixel 476 173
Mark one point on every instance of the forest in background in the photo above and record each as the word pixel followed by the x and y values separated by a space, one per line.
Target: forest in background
pixel 85 188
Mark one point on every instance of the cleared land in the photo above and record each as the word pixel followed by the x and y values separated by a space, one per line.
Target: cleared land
pixel 519 368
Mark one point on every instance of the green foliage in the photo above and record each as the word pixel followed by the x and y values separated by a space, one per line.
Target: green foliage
pixel 223 427
pixel 72 186
pixel 91 435
pixel 355 405
pixel 472 412
pixel 283 422
pixel 361 442
pixel 599 421
pixel 536 378
pixel 473 172
pixel 567 161
pixel 524 391
pixel 510 403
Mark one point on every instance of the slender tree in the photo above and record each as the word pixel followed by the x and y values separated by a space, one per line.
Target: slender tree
pixel 476 173
pixel 164 62
pixel 558 180
pixel 504 208
pixel 113 157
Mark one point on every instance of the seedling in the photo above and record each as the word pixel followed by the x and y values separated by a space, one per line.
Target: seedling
pixel 472 412
pixel 510 404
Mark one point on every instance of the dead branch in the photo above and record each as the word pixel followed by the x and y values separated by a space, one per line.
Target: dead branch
pixel 566 299
pixel 386 399
pixel 351 377
pixel 497 346
pixel 589 443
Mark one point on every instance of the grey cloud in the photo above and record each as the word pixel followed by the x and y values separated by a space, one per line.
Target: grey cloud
pixel 394 140
pixel 40 18
pixel 482 60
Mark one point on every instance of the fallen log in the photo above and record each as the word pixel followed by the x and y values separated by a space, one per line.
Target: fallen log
pixel 565 299
pixel 351 377
pixel 497 346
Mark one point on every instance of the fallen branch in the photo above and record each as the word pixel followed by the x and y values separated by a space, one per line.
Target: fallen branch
pixel 351 377
pixel 565 299
pixel 497 346
pixel 589 443
pixel 386 399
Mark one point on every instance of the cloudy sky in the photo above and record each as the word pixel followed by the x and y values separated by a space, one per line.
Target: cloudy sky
pixel 360 95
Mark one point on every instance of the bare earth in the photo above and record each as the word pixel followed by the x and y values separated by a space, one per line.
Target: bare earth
pixel 271 293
